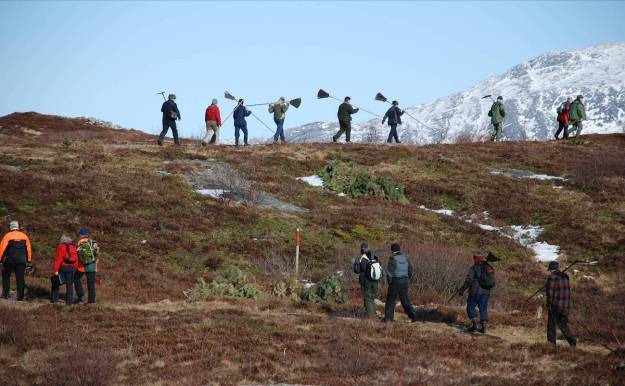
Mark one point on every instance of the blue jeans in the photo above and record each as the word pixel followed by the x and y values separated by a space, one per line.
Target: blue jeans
pixel 481 301
pixel 279 129
pixel 238 128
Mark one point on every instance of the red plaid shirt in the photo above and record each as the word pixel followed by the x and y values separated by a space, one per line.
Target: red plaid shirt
pixel 558 290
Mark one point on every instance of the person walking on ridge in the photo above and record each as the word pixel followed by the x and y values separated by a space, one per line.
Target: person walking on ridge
pixel 497 115
pixel 393 114
pixel 170 114
pixel 563 118
pixel 577 114
pixel 240 124
pixel 344 115
pixel 558 296
pixel 212 117
pixel 279 109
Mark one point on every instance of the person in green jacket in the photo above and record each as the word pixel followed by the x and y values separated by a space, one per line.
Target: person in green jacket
pixel 497 114
pixel 279 113
pixel 345 119
pixel 577 113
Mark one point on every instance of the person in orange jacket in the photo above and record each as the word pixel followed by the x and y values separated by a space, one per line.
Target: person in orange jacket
pixel 65 260
pixel 87 265
pixel 15 255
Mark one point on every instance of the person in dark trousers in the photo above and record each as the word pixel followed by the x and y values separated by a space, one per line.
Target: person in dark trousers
pixel 398 275
pixel 65 260
pixel 240 124
pixel 497 115
pixel 15 255
pixel 393 115
pixel 558 291
pixel 369 287
pixel 89 248
pixel 563 119
pixel 478 296
pixel 577 114
pixel 345 120
pixel 170 114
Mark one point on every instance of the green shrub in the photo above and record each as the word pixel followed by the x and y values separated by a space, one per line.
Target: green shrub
pixel 233 282
pixel 343 177
pixel 328 290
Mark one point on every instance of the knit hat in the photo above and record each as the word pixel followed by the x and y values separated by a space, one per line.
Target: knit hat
pixel 478 257
pixel 347 99
pixel 553 266
pixel 395 103
pixel 83 232
pixel 14 226
pixel 395 248
pixel 214 101
pixel 499 98
pixel 364 247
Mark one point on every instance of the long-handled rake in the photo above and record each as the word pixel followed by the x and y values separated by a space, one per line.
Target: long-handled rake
pixel 227 95
pixel 293 102
pixel 382 98
pixel 321 94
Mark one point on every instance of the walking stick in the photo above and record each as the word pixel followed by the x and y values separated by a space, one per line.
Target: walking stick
pixel 566 269
pixel 323 94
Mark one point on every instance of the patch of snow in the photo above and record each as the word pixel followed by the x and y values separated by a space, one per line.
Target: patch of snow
pixel 545 177
pixel 306 283
pixel 558 187
pixel 446 212
pixel 312 180
pixel 214 193
pixel 545 252
pixel 342 194
pixel 163 173
pixel 144 241
pixel 488 227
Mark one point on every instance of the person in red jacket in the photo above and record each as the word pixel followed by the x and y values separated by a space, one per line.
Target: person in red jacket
pixel 15 256
pixel 65 261
pixel 564 121
pixel 213 123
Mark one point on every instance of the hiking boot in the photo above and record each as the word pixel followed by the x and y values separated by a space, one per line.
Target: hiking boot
pixel 247 144
pixel 483 327
pixel 573 342
pixel 204 143
pixel 177 144
pixel 473 326
pixel 334 139
pixel 78 301
pixel 159 142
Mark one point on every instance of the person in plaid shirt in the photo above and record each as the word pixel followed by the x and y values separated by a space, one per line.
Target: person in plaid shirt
pixel 558 303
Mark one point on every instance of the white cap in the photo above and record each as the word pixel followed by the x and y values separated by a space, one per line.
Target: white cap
pixel 14 226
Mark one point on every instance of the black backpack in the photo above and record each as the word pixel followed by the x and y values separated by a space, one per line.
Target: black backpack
pixel 486 278
pixel 356 264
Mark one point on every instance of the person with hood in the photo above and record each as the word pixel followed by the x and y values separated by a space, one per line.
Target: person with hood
pixel 279 109
pixel 393 114
pixel 563 118
pixel 65 260
pixel 212 117
pixel 345 119
pixel 398 276
pixel 369 286
pixel 558 295
pixel 577 114
pixel 15 255
pixel 240 124
pixel 479 294
pixel 170 114
pixel 497 115
pixel 87 265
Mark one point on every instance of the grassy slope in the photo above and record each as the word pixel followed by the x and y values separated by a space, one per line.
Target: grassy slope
pixel 108 181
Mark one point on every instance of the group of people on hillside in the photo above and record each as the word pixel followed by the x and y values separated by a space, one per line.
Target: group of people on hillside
pixel 571 112
pixel 479 282
pixel 71 262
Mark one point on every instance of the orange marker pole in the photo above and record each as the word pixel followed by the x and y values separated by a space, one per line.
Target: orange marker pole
pixel 298 242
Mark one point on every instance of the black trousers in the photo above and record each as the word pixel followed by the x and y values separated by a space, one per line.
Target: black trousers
pixel 67 273
pixel 90 285
pixel 238 128
pixel 174 130
pixel 565 127
pixel 344 127
pixel 398 287
pixel 7 270
pixel 559 317
pixel 393 134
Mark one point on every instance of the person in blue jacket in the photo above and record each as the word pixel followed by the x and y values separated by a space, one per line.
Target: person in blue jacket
pixel 240 124
pixel 394 118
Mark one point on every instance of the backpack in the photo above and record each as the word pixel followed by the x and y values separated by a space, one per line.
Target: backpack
pixel 486 279
pixel 70 258
pixel 356 264
pixel 87 252
pixel 374 269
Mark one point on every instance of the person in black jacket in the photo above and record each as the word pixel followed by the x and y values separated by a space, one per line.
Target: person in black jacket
pixel 369 287
pixel 170 114
pixel 394 118
pixel 398 275
pixel 478 295
pixel 345 119
pixel 240 124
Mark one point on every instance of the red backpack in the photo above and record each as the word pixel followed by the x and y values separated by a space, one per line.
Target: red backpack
pixel 71 256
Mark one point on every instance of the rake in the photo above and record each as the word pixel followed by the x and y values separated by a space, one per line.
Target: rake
pixel 321 94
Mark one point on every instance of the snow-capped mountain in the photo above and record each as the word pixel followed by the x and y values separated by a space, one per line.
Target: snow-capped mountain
pixel 532 91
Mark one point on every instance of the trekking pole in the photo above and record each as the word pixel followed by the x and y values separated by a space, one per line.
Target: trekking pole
pixel 323 94
pixel 566 269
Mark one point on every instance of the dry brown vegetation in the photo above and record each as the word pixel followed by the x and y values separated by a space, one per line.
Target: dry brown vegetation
pixel 158 237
